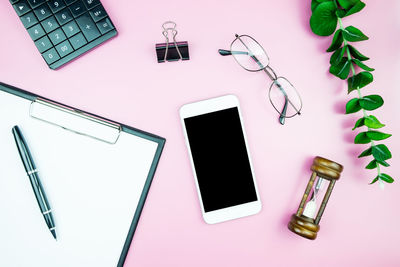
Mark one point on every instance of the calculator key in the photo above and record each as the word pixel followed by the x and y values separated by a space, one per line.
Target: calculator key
pixel 43 44
pixel 91 3
pixel 42 12
pixel 64 16
pixel 105 25
pixel 88 27
pixel 57 36
pixel 78 41
pixel 28 19
pixel 56 5
pixel 64 48
pixel 50 24
pixel 13 1
pixel 51 56
pixel 36 3
pixel 36 32
pixel 22 7
pixel 71 29
pixel 98 13
pixel 77 8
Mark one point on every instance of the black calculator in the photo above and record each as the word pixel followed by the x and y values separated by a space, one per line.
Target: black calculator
pixel 64 29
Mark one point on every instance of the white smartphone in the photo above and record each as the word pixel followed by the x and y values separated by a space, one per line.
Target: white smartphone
pixel 220 159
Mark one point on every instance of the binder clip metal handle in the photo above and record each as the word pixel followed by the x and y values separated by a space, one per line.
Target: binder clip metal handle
pixel 171 51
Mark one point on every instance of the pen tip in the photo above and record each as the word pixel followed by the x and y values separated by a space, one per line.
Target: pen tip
pixel 53 232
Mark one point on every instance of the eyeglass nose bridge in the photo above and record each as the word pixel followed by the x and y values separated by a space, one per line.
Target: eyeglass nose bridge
pixel 270 72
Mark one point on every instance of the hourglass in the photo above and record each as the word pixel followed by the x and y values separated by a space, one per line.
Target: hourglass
pixel 306 221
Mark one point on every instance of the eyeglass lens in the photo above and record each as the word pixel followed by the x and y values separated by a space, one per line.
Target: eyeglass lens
pixel 285 98
pixel 249 54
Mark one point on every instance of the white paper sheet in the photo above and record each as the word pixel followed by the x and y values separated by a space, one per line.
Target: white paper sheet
pixel 93 189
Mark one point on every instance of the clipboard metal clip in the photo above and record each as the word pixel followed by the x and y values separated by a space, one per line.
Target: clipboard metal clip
pixel 74 120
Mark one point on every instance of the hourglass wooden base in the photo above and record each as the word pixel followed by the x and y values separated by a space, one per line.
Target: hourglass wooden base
pixel 304 222
pixel 303 226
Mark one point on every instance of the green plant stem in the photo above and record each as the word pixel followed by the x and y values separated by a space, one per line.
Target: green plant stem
pixel 345 43
pixel 336 5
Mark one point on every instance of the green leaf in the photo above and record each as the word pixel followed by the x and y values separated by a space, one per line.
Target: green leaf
pixel 374 181
pixel 352 34
pixel 371 102
pixel 346 4
pixel 356 8
pixel 372 122
pixel 362 138
pixel 336 42
pixel 353 106
pixel 356 54
pixel 366 152
pixel 362 65
pixel 380 152
pixel 386 178
pixel 372 165
pixel 359 80
pixel 360 122
pixel 377 136
pixel 383 163
pixel 323 20
pixel 337 56
pixel 315 3
pixel 342 69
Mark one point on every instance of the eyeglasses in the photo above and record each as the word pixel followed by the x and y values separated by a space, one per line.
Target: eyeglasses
pixel 252 57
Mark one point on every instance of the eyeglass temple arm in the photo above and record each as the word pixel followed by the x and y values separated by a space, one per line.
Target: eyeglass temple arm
pixel 284 109
pixel 283 112
pixel 224 52
pixel 287 100
pixel 286 97
pixel 282 115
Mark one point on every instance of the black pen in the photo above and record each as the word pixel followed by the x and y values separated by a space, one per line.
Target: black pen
pixel 32 172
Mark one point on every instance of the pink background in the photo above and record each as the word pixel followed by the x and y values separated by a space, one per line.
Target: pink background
pixel 122 80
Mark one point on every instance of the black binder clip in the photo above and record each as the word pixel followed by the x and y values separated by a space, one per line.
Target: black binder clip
pixel 171 51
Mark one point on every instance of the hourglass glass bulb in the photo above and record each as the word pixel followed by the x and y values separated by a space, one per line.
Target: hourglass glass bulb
pixel 311 206
pixel 310 209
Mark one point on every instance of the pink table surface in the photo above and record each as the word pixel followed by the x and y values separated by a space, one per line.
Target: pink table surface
pixel 121 80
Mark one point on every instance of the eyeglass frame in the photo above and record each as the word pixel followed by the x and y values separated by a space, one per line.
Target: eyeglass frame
pixel 273 76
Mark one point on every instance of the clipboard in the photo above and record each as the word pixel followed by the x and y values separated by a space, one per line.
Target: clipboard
pixel 96 199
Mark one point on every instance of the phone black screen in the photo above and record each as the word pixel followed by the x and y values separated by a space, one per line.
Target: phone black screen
pixel 220 159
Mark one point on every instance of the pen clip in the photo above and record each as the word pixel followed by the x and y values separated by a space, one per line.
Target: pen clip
pixel 75 120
